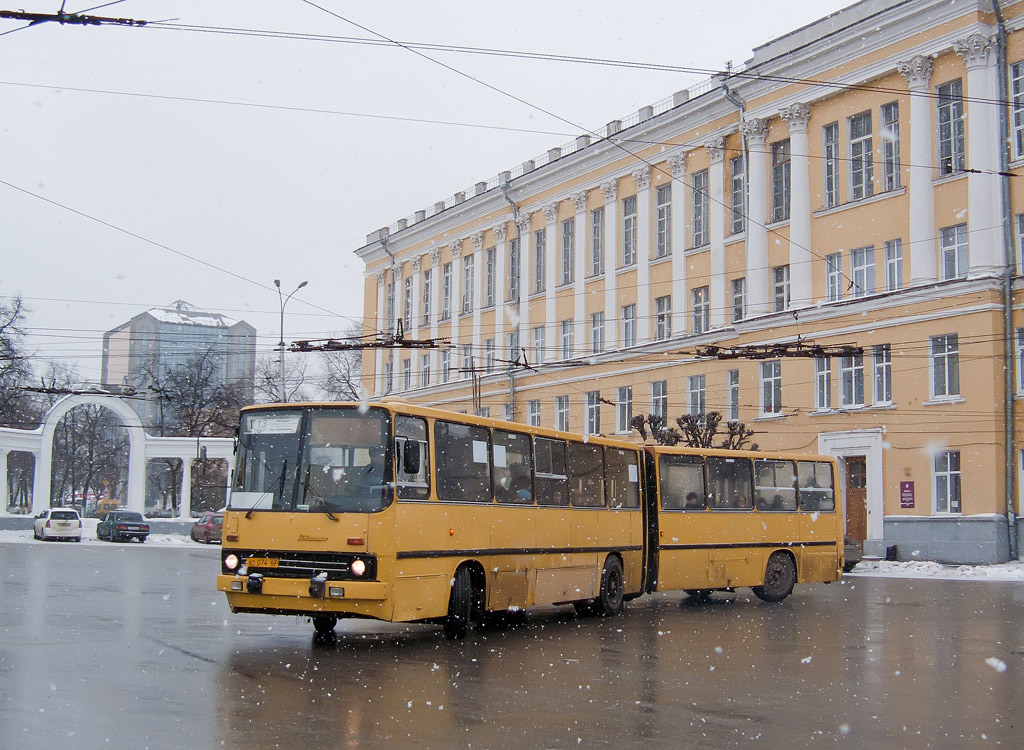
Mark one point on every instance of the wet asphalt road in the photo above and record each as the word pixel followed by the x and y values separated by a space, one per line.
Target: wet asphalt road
pixel 130 647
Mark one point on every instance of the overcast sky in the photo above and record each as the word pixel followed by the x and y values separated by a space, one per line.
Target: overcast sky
pixel 104 122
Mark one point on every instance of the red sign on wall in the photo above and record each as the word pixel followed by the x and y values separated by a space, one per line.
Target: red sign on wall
pixel 906 494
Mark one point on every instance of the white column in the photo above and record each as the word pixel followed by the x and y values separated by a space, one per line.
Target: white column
pixel 415 310
pixel 478 292
pixel 579 309
pixel 984 218
pixel 677 163
pixel 611 262
pixel 456 250
pixel 554 248
pixel 185 504
pixel 918 72
pixel 4 482
pixel 378 371
pixel 716 226
pixel 756 132
pixel 525 256
pixel 800 255
pixel 643 253
pixel 500 286
pixel 435 308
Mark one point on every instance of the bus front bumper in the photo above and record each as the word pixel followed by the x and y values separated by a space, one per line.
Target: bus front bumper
pixel 296 595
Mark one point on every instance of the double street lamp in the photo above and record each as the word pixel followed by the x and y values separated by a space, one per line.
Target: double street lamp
pixel 284 301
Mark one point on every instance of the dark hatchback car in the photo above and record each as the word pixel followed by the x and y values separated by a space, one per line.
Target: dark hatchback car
pixel 122 525
pixel 207 528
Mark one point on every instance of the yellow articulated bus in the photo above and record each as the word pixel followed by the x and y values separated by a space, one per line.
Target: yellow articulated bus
pixel 411 514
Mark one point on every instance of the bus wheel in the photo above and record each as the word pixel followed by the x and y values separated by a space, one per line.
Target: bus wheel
pixel 324 624
pixel 460 605
pixel 609 599
pixel 699 595
pixel 779 577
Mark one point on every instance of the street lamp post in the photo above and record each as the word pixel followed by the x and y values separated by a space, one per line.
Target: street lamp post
pixel 284 301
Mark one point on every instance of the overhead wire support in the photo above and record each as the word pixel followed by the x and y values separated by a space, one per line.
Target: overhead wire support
pixel 77 19
pixel 778 350
pixel 396 340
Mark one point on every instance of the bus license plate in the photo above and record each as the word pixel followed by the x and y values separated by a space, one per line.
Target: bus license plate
pixel 263 562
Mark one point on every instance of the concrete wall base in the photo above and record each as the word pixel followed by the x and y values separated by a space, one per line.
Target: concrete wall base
pixel 958 540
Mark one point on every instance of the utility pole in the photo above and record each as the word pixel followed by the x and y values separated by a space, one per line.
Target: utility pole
pixel 284 301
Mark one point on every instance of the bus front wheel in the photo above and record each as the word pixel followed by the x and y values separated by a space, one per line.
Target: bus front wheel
pixel 779 578
pixel 324 624
pixel 460 605
pixel 613 587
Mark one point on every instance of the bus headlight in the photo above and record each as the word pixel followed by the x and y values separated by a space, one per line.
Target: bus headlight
pixel 231 562
pixel 358 567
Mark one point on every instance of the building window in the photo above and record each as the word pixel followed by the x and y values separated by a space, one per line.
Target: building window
pixel 861 171
pixel 540 245
pixel 597 241
pixel 663 317
pixel 893 265
pixel 890 146
pixel 389 377
pixel 484 411
pixel 623 408
pixel 822 383
pixel 696 395
pixel 593 413
pixel 629 325
pixel 489 355
pixel 780 283
pixel 699 216
pixel 629 230
pixel 701 309
pixel 882 355
pixel 733 394
pixel 567 338
pixel 780 180
pixel 562 413
pixel 945 366
pixel 568 250
pixel 425 306
pixel 659 398
pixel 446 291
pixel 446 365
pixel 407 302
pixel 424 370
pixel 597 333
pixel 390 304
pixel 739 299
pixel 851 379
pixel 834 277
pixel 538 344
pixel 467 361
pixel 467 284
pixel 1017 89
pixel 737 195
pixel 513 271
pixel 490 275
pixel 862 262
pixel 953 251
pixel 947 482
pixel 663 207
pixel 533 413
pixel 513 346
pixel 830 134
pixel 406 374
pixel 771 387
pixel 951 128
pixel 1020 360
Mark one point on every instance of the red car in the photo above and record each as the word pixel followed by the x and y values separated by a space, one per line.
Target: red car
pixel 207 528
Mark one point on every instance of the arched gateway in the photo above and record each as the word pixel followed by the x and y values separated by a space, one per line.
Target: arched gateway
pixel 142 447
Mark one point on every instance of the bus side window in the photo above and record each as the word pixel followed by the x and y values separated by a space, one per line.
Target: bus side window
pixel 682 482
pixel 586 475
pixel 463 460
pixel 816 489
pixel 551 484
pixel 775 484
pixel 513 467
pixel 409 433
pixel 730 481
pixel 622 478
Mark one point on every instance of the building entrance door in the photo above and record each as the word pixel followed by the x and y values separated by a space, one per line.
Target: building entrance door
pixel 856 497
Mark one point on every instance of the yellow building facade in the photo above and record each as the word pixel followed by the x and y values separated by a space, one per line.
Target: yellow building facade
pixel 848 186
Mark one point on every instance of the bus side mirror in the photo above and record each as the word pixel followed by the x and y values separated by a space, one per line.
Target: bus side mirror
pixel 411 458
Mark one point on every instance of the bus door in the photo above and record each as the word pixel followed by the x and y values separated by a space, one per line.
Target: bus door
pixel 681 523
pixel 820 525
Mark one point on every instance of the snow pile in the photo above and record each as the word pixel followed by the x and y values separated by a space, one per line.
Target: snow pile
pixel 1011 571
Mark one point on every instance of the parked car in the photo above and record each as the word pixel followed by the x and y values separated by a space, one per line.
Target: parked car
pixel 58 523
pixel 207 528
pixel 122 525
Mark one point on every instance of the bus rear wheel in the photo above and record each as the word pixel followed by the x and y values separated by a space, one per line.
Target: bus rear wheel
pixel 324 624
pixel 460 605
pixel 613 588
pixel 779 578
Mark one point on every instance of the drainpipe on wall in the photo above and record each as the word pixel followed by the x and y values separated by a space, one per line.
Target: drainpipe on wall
pixel 740 105
pixel 1008 381
pixel 511 366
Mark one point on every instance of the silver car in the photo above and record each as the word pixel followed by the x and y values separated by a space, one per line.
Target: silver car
pixel 58 523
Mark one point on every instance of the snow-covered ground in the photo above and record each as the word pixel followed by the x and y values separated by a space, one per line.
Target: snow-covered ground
pixel 89 537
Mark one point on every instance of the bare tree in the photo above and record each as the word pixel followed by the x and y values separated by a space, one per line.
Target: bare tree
pixel 17 407
pixel 267 384
pixel 195 400
pixel 342 370
pixel 695 431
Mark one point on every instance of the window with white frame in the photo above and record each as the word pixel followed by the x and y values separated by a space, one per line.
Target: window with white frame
pixel 739 299
pixel 781 176
pixel 597 333
pixel 389 303
pixel 538 344
pixel 593 420
pixel 629 230
pixel 663 317
pixel 425 306
pixel 446 291
pixel 513 346
pixel 881 354
pixel 862 263
pixel 424 370
pixel 506 412
pixel 659 398
pixel 696 393
pixel 629 325
pixel 467 360
pixel 953 251
pixel 406 374
pixel 701 309
pixel 562 413
pixel 467 284
pixel 663 211
pixel 566 327
pixel 489 355
pixel 540 249
pixel 568 250
pixel 699 209
pixel 947 482
pixel 861 170
pixel 952 154
pixel 780 283
pixel 733 394
pixel 830 136
pixel 737 195
pixel 484 411
pixel 771 387
pixel 623 408
pixel 890 146
pixel 597 241
pixel 389 377
pixel 893 265
pixel 1020 360
pixel 533 413
pixel 490 275
pixel 446 365
pixel 407 303
pixel 822 383
pixel 834 277
pixel 1017 103
pixel 851 380
pixel 945 363
pixel 513 270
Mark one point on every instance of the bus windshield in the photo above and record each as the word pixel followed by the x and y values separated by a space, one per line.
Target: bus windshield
pixel 319 460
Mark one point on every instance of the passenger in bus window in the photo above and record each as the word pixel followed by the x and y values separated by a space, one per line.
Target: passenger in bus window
pixel 693 501
pixel 373 472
